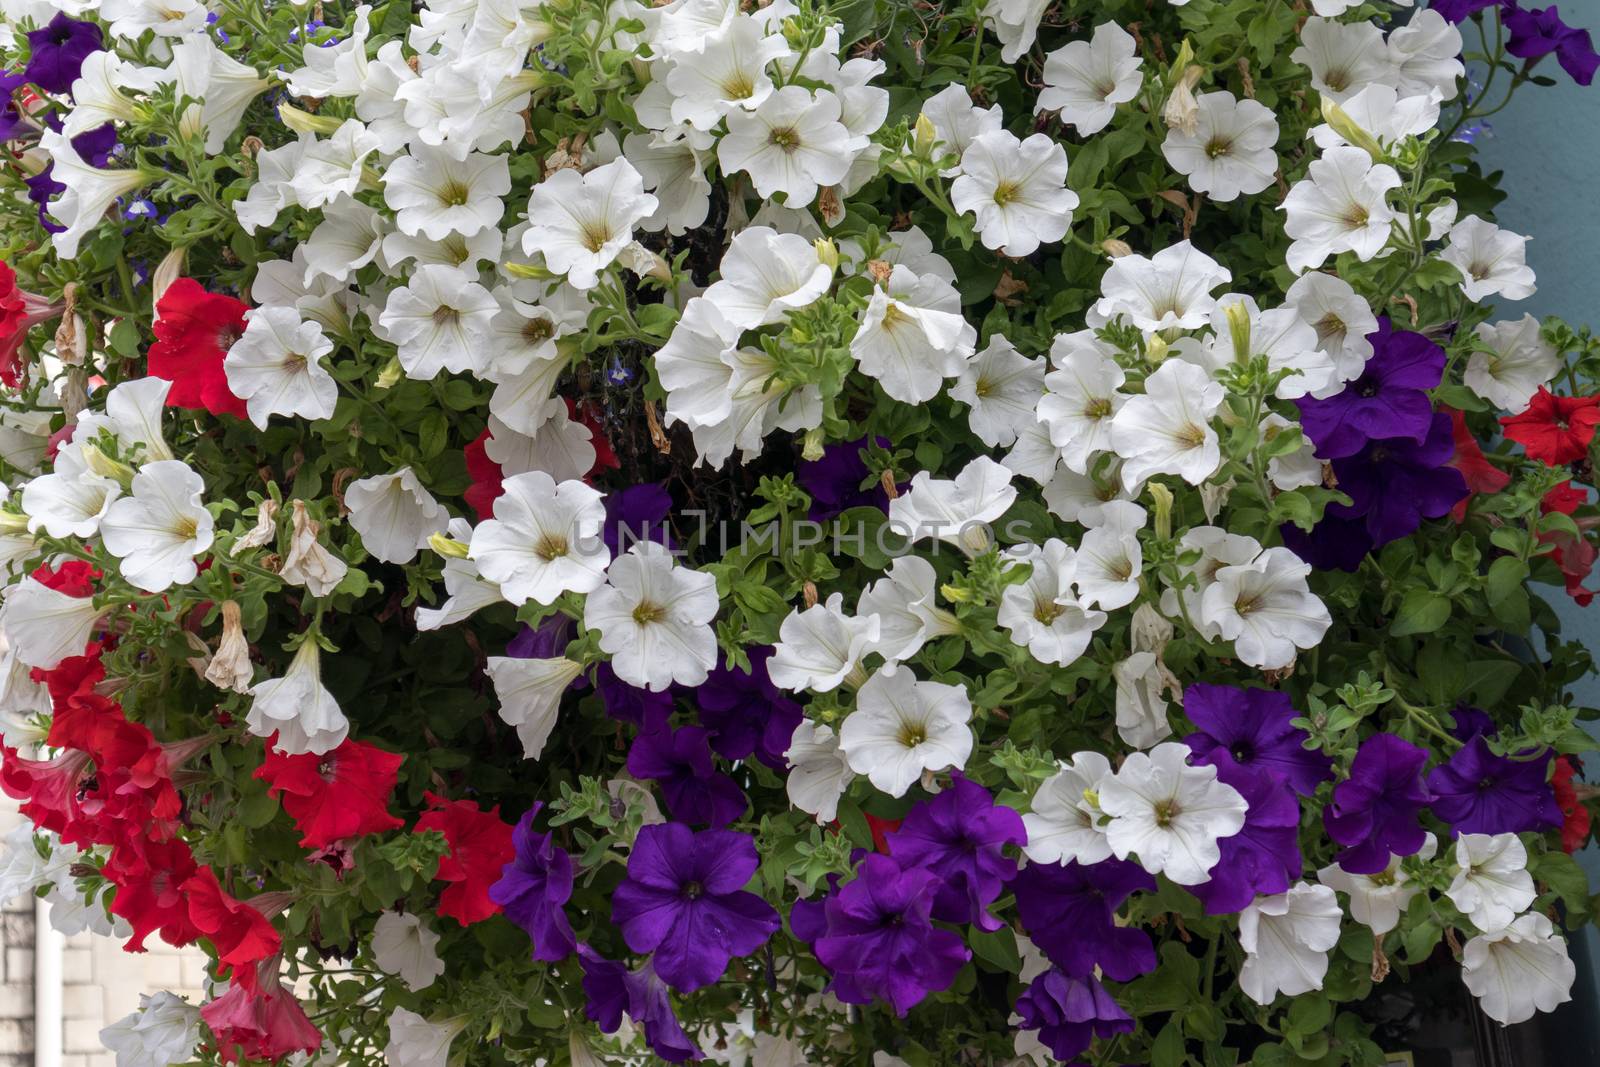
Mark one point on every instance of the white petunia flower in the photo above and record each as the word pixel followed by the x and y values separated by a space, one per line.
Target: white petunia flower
pixel 1033 456
pixel 462 255
pixel 1144 686
pixel 435 195
pixel 273 189
pixel 164 1029
pixel 1520 360
pixel 1286 939
pixel 765 275
pixel 1340 206
pixel 956 511
pixel 275 367
pixel 394 514
pixel 654 618
pixel 582 222
pixel 466 592
pixel 1002 387
pixel 1241 331
pixel 530 692
pixel 793 143
pixel 1065 821
pixel 1015 23
pixel 1344 57
pixel 158 529
pixel 404 944
pixel 957 121
pixel 1229 151
pixel 1217 549
pixel 1110 559
pixel 339 69
pixel 1016 190
pixel 1342 318
pixel 1043 613
pixel 818 774
pixel 902 727
pixel 544 539
pixel 1079 498
pixel 1086 80
pixel 905 602
pixel 675 171
pixel 72 500
pixel 225 86
pixel 1520 970
pixel 1383 113
pixel 438 322
pixel 90 191
pixel 821 647
pixel 1491 260
pixel 1266 609
pixel 333 168
pixel 165 18
pixel 349 237
pixel 1168 429
pixel 1291 470
pixel 913 335
pixel 1169 814
pixel 728 74
pixel 1425 56
pixel 1170 289
pixel 1081 396
pixel 1492 885
pixel 416 1042
pixel 100 93
pixel 298 708
pixel 1378 900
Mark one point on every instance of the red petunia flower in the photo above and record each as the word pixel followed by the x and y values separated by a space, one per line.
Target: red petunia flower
pixel 1481 475
pixel 340 794
pixel 260 1020
pixel 1575 817
pixel 150 877
pixel 194 330
pixel 480 845
pixel 487 477
pixel 1575 556
pixel 605 457
pixel 237 928
pixel 20 311
pixel 1555 429
pixel 48 790
pixel 881 829
pixel 74 577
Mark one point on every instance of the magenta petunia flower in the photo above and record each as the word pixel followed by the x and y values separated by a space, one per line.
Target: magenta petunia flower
pixel 684 900
pixel 534 887
pixel 879 941
pixel 961 835
pixel 1070 912
pixel 1254 729
pixel 1374 812
pixel 1478 792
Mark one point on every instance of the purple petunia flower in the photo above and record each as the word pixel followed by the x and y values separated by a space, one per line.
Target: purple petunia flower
pixel 1478 792
pixel 1537 32
pixel 1467 723
pixel 1375 811
pixel 1070 912
pixel 746 714
pixel 534 887
pixel 1461 10
pixel 1394 484
pixel 1070 1013
pixel 960 835
pixel 94 147
pixel 1263 858
pixel 57 51
pixel 879 940
pixel 545 641
pixel 1335 543
pixel 611 990
pixel 630 704
pixel 1390 399
pixel 834 481
pixel 684 900
pixel 1253 728
pixel 680 762
pixel 637 513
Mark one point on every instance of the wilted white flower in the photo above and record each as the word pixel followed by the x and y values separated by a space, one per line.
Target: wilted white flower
pixel 308 563
pixel 1144 686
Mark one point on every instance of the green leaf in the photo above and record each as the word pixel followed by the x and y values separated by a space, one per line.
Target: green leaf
pixel 1168 1049
pixel 1422 612
pixel 998 948
pixel 1505 578
pixel 1561 873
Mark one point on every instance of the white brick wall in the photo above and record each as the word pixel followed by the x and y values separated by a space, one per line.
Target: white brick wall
pixel 100 983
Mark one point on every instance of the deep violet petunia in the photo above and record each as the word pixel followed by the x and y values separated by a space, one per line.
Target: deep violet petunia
pixel 1478 792
pixel 534 888
pixel 637 513
pixel 1467 723
pixel 1537 32
pixel 611 990
pixel 1374 812
pixel 1461 10
pixel 546 641
pixel 961 834
pixel 680 762
pixel 879 940
pixel 1070 912
pixel 684 900
pixel 630 704
pixel 56 52
pixel 834 482
pixel 1070 1013
pixel 1263 858
pixel 1254 729
pixel 94 147
pixel 1394 484
pixel 746 714
pixel 1389 399
pixel 1334 544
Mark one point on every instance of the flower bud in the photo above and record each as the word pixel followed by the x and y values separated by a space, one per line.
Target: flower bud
pixel 106 467
pixel 1346 127
pixel 924 137
pixel 1155 349
pixel 305 122
pixel 827 253
pixel 527 270
pixel 13 523
pixel 1116 249
pixel 1162 497
pixel 166 272
pixel 390 374
pixel 1182 111
pixel 811 448
pixel 1239 330
pixel 447 546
